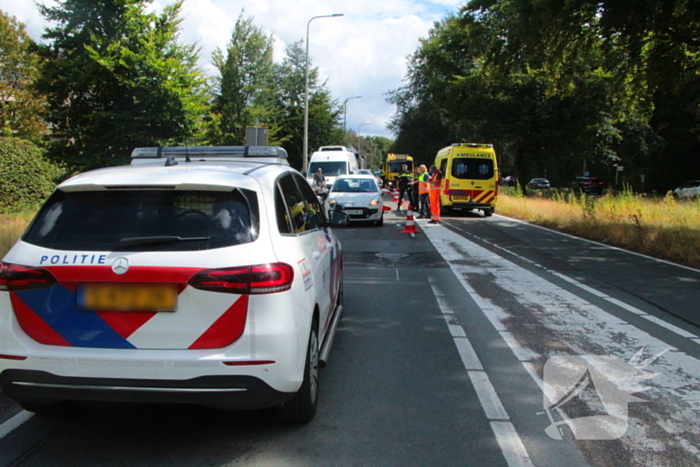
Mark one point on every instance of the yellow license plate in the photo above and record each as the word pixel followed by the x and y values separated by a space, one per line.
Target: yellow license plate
pixel 460 198
pixel 127 297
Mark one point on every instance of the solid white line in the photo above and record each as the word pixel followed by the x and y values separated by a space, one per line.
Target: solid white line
pixel 599 244
pixel 597 293
pixel 523 354
pixel 466 352
pixel 670 327
pixel 14 422
pixel 511 445
pixel 530 368
pixel 624 305
pixel 490 402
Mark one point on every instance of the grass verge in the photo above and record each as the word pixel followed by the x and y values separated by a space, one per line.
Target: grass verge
pixel 11 228
pixel 662 228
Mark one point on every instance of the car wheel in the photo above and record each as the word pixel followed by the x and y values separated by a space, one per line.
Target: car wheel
pixel 380 222
pixel 302 407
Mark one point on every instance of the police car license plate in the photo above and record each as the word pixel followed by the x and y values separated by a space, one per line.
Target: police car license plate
pixel 127 297
pixel 460 198
pixel 354 212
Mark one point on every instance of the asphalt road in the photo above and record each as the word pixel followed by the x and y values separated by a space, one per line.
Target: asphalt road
pixel 438 362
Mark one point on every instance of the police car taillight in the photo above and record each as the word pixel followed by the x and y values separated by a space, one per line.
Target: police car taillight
pixel 258 279
pixel 16 278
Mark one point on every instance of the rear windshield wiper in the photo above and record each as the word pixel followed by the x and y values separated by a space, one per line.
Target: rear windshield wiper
pixel 134 241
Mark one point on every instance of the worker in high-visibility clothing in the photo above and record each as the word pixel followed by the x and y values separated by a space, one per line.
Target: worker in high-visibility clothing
pixel 423 209
pixel 434 183
pixel 404 180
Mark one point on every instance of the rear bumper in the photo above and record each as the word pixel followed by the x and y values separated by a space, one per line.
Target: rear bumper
pixel 459 205
pixel 235 392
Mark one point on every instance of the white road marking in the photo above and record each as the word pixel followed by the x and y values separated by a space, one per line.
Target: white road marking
pixel 490 402
pixel 511 444
pixel 466 352
pixel 507 437
pixel 14 422
pixel 599 244
pixel 582 328
pixel 681 332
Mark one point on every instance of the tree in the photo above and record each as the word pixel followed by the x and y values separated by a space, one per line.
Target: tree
pixel 116 78
pixel 468 82
pixel 21 108
pixel 324 111
pixel 244 94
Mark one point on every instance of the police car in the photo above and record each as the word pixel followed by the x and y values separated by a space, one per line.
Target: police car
pixel 205 275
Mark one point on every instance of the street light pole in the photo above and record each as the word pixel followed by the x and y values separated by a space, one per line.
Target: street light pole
pixel 306 92
pixel 345 112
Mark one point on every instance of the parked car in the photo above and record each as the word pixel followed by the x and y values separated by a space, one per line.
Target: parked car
pixel 538 184
pixel 360 197
pixel 194 275
pixel 690 189
pixel 377 178
pixel 588 185
pixel 507 181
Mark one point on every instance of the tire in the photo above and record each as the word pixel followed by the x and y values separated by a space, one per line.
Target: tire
pixel 445 210
pixel 380 222
pixel 488 212
pixel 302 407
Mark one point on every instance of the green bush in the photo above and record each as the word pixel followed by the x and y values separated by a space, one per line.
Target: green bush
pixel 26 177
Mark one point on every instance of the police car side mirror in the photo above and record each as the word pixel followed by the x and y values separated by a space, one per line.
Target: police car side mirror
pixel 338 217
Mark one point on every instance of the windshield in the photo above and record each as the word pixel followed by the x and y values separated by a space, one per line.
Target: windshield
pixel 395 167
pixel 330 169
pixel 145 220
pixel 349 185
pixel 472 168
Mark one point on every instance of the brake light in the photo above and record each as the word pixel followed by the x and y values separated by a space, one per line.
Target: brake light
pixel 16 278
pixel 258 279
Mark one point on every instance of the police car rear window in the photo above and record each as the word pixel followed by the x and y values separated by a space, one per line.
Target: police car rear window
pixel 472 168
pixel 146 220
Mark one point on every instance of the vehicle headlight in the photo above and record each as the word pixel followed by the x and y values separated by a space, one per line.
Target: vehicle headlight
pixel 374 202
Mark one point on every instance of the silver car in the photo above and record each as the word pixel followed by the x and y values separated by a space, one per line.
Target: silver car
pixel 360 197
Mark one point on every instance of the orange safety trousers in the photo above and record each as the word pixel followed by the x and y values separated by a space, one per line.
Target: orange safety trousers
pixel 435 203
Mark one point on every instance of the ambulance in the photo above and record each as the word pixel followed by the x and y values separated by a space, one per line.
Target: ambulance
pixel 470 177
pixel 392 167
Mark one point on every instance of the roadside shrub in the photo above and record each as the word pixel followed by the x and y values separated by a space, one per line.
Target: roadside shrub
pixel 26 177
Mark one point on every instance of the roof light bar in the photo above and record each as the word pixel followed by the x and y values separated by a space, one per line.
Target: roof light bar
pixel 209 151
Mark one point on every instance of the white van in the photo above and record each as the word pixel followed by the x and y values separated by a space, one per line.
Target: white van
pixel 333 161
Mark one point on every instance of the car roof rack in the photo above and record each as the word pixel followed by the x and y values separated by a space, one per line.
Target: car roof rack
pixel 174 155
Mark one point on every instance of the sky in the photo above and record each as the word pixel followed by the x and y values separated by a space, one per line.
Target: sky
pixel 363 53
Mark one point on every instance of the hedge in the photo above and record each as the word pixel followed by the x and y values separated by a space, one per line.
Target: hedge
pixel 26 177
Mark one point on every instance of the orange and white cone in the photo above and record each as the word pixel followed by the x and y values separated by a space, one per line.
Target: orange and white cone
pixel 410 222
pixel 396 196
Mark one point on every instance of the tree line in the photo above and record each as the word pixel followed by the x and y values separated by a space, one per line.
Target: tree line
pixel 561 89
pixel 110 76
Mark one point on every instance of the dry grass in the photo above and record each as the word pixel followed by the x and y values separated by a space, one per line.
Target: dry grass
pixel 11 228
pixel 662 228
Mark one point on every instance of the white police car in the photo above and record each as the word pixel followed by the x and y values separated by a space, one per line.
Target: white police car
pixel 193 275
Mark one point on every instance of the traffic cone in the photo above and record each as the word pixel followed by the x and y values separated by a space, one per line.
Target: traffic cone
pixel 396 196
pixel 410 222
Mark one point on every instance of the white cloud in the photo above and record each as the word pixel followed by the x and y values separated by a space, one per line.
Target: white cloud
pixel 361 53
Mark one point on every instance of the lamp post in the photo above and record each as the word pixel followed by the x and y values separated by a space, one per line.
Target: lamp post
pixel 306 92
pixel 345 111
